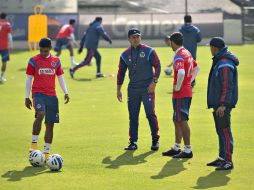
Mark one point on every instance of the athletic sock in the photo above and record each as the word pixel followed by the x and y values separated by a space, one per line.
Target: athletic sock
pixel 2 75
pixel 72 60
pixel 35 138
pixel 187 148
pixel 176 146
pixel 47 147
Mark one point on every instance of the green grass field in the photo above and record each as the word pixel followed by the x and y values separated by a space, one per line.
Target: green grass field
pixel 94 130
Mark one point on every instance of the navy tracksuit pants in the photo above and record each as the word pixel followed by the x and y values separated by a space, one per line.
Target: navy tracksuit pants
pixel 224 133
pixel 135 97
pixel 89 55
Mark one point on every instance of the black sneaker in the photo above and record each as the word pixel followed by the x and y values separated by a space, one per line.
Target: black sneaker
pixel 215 163
pixel 226 165
pixel 155 145
pixel 184 155
pixel 171 152
pixel 71 73
pixel 132 146
pixel 100 75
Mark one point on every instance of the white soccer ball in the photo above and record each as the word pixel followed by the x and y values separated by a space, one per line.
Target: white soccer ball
pixel 55 162
pixel 37 158
pixel 168 70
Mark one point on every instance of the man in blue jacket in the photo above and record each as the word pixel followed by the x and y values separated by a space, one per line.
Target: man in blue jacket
pixel 144 70
pixel 91 41
pixel 222 96
pixel 191 36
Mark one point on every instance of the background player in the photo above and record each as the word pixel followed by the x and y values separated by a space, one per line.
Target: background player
pixel 44 68
pixel 65 37
pixel 6 43
pixel 91 40
pixel 191 37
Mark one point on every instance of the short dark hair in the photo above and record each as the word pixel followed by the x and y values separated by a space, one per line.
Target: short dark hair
pixel 98 19
pixel 45 43
pixel 3 15
pixel 177 38
pixel 72 21
pixel 187 19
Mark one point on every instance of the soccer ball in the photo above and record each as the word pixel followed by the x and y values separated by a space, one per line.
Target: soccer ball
pixel 37 158
pixel 168 70
pixel 55 162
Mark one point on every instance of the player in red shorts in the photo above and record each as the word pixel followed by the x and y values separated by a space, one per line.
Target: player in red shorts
pixel 43 69
pixel 6 43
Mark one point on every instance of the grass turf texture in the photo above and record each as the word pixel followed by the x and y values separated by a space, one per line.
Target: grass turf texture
pixel 94 130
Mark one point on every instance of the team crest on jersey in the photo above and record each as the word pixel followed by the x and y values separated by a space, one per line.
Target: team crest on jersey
pixel 53 64
pixel 142 54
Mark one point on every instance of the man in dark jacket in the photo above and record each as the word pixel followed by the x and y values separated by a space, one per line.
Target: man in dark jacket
pixel 191 36
pixel 91 41
pixel 222 96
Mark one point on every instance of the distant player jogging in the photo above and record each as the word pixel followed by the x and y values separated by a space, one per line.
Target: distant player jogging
pixel 43 69
pixel 91 41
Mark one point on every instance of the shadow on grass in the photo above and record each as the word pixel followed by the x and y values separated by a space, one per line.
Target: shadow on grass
pixel 28 171
pixel 22 69
pixel 172 167
pixel 82 79
pixel 214 179
pixel 127 158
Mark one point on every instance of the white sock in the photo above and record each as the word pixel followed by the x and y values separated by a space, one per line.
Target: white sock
pixel 187 148
pixel 176 146
pixel 35 138
pixel 2 75
pixel 72 59
pixel 47 147
pixel 220 158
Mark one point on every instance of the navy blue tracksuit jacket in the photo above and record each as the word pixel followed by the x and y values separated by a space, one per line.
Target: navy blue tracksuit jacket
pixel 143 65
pixel 223 90
pixel 191 36
pixel 91 41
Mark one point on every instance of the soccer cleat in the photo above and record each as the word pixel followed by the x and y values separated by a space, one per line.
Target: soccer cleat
pixel 226 165
pixel 215 163
pixel 171 152
pixel 2 80
pixel 155 145
pixel 100 75
pixel 33 147
pixel 132 146
pixel 183 155
pixel 46 155
pixel 71 73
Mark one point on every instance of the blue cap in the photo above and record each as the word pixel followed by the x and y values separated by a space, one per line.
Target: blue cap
pixel 217 42
pixel 133 31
